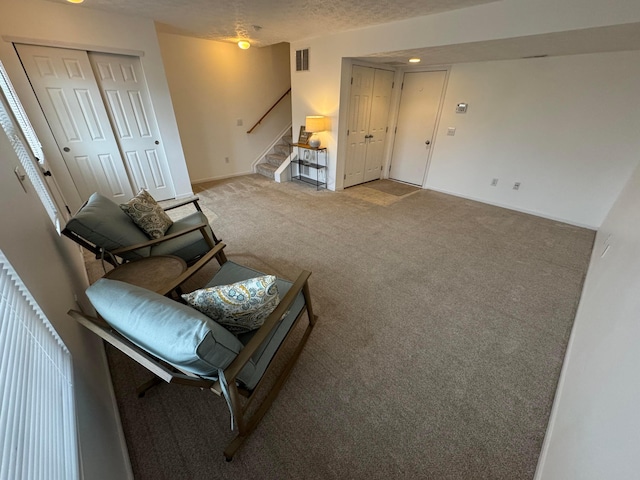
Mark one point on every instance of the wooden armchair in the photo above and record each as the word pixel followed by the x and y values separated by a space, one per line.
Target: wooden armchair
pixel 104 229
pixel 231 367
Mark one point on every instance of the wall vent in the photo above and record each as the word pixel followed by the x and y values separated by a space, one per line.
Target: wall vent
pixel 302 60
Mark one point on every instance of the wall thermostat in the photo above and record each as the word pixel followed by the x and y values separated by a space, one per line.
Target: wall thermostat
pixel 461 108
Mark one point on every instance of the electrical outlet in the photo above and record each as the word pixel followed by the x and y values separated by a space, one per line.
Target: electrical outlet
pixel 516 186
pixel 226 159
pixel 451 131
pixel 494 182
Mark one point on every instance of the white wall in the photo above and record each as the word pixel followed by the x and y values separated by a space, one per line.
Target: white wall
pixel 565 127
pixel 72 26
pixel 594 428
pixel 54 273
pixel 318 90
pixel 215 84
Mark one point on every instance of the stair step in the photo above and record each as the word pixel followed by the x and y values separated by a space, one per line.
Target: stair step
pixel 282 148
pixel 266 169
pixel 288 139
pixel 275 159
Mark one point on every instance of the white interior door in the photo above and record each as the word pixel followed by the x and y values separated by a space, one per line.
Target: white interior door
pixel 417 117
pixel 358 126
pixel 68 94
pixel 378 123
pixel 128 103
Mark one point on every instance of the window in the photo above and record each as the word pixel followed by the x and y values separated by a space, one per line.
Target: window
pixel 18 136
pixel 37 419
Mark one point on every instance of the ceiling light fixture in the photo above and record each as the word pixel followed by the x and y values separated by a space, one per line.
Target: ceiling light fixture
pixel 75 1
pixel 414 60
pixel 243 44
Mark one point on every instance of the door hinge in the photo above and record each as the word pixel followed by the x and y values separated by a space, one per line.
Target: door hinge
pixel 345 176
pixel 347 132
pixel 351 80
pixel 393 84
pixel 386 130
pixel 68 209
pixel 402 86
pixel 395 131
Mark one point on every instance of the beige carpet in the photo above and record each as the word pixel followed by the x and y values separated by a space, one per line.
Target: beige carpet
pixel 392 187
pixel 442 328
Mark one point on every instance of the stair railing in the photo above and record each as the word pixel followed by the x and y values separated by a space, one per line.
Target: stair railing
pixel 269 111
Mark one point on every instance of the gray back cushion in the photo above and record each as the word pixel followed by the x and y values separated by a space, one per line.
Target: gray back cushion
pixel 173 332
pixel 104 224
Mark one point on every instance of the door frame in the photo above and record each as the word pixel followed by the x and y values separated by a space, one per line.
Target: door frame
pixel 396 109
pixel 343 115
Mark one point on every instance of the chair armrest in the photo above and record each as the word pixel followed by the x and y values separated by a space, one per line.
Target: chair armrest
pixel 171 286
pixel 186 201
pixel 110 335
pixel 154 241
pixel 270 323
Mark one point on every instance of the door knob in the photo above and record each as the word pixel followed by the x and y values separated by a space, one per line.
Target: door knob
pixel 157 142
pixel 428 142
pixel 66 149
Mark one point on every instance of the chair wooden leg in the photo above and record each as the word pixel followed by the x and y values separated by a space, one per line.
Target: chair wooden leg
pixel 142 389
pixel 221 257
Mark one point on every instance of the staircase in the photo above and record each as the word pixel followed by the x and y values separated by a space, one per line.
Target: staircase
pixel 275 157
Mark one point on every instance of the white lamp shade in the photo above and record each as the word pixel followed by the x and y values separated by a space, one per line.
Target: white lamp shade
pixel 314 123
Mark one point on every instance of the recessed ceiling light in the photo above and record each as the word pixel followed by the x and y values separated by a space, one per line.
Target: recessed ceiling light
pixel 414 60
pixel 243 44
pixel 75 1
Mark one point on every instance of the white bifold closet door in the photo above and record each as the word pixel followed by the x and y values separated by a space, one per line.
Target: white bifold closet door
pixel 99 110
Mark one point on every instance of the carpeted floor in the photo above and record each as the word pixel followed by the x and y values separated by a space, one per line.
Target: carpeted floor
pixel 391 187
pixel 442 328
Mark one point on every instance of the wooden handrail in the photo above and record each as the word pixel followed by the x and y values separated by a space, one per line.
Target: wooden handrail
pixel 269 111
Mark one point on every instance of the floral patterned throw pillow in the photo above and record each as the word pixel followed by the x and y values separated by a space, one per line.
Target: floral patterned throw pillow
pixel 239 307
pixel 147 214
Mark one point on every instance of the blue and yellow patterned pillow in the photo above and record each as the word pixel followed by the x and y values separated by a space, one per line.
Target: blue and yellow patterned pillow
pixel 240 307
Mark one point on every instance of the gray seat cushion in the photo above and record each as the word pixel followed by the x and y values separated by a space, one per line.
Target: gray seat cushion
pixel 231 272
pixel 188 246
pixel 171 331
pixel 104 224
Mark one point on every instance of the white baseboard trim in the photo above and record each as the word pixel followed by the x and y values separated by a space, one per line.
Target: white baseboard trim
pixel 516 209
pixel 220 177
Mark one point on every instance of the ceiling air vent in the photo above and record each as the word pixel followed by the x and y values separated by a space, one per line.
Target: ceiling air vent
pixel 302 60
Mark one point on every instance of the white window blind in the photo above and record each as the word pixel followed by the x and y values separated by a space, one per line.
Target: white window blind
pixel 20 129
pixel 37 415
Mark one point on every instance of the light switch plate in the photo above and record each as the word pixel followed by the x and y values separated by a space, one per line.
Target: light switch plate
pixel 451 131
pixel 461 108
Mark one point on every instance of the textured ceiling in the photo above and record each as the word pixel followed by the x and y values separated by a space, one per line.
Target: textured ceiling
pixel 281 20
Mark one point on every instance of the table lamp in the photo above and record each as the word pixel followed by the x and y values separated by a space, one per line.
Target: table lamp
pixel 314 124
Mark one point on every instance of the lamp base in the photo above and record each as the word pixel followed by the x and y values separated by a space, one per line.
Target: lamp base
pixel 314 141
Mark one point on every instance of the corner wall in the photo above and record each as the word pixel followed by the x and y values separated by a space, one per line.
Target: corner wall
pixel 215 84
pixel 594 425
pixel 318 90
pixel 566 128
